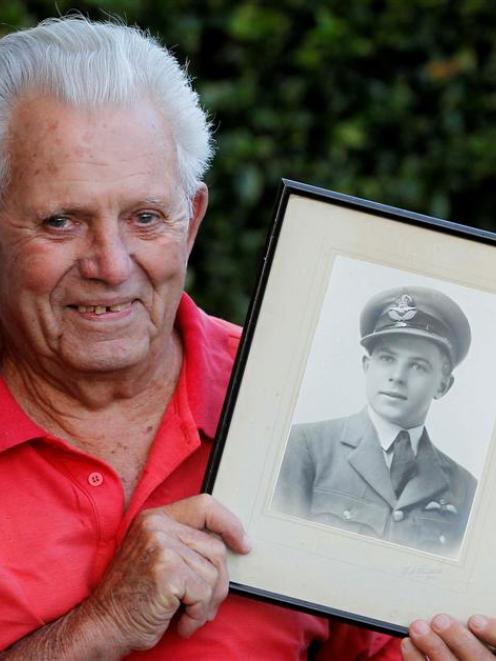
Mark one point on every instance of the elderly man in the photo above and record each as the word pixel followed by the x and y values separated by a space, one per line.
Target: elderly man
pixel 112 378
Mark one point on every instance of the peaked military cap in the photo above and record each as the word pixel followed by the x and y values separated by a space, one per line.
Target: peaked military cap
pixel 418 311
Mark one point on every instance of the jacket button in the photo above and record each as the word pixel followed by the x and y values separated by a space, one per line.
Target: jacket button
pixel 398 515
pixel 347 514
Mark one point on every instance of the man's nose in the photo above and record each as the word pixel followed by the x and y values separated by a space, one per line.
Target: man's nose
pixel 109 257
pixel 398 372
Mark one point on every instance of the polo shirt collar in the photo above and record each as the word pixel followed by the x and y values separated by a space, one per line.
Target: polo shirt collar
pixel 15 425
pixel 209 348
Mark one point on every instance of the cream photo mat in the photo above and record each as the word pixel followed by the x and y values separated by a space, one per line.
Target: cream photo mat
pixel 296 560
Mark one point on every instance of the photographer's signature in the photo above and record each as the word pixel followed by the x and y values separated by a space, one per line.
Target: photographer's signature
pixel 421 572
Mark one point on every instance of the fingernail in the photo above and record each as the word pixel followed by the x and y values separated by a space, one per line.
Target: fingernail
pixel 420 627
pixel 441 622
pixel 406 645
pixel 478 622
pixel 212 615
pixel 247 543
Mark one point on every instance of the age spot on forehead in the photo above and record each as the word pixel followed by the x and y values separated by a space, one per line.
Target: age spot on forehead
pixel 52 125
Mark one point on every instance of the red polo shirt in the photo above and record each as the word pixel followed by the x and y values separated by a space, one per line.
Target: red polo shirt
pixel 62 517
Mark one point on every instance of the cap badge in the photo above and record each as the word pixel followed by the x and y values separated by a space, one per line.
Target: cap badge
pixel 402 310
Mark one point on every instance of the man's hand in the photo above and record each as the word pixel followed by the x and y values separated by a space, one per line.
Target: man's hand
pixel 173 557
pixel 445 639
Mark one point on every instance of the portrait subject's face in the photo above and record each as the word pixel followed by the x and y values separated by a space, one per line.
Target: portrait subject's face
pixel 403 375
pixel 94 235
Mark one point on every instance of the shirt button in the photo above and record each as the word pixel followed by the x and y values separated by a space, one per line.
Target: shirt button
pixel 95 479
pixel 398 515
pixel 347 514
pixel 442 539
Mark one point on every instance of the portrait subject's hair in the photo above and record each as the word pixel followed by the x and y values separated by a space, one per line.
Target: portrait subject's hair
pixel 95 64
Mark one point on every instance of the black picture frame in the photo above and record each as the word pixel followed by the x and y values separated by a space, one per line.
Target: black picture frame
pixel 316 234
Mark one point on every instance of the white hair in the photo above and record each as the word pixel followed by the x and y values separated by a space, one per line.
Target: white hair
pixel 95 64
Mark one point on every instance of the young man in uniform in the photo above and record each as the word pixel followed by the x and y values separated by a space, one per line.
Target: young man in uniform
pixel 378 472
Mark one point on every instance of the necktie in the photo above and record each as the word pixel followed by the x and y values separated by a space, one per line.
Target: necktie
pixel 403 466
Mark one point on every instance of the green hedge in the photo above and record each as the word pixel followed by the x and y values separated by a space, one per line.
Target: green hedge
pixel 388 100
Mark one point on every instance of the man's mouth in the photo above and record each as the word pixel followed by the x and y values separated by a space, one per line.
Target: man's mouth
pixel 98 308
pixel 393 394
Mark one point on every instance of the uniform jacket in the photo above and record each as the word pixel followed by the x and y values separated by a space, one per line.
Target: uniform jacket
pixel 334 472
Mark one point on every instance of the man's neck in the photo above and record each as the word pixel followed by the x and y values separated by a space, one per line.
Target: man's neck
pixel 114 420
pixel 66 407
pixel 387 431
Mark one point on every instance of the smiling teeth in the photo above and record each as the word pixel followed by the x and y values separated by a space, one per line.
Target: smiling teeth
pixel 101 309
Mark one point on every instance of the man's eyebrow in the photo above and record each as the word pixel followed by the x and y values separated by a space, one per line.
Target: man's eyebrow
pixel 59 210
pixel 160 201
pixel 168 203
pixel 421 359
pixel 70 208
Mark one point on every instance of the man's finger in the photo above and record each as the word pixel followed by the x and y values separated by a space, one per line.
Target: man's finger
pixel 484 628
pixel 462 643
pixel 429 643
pixel 409 652
pixel 195 554
pixel 204 512
pixel 197 607
pixel 214 550
pixel 204 554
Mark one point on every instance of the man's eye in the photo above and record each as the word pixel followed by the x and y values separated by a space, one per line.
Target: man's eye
pixel 420 367
pixel 385 358
pixel 146 218
pixel 57 222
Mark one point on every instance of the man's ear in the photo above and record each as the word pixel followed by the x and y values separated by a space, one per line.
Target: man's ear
pixel 365 362
pixel 444 386
pixel 199 205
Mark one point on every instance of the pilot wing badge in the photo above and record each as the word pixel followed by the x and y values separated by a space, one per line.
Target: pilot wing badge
pixel 402 310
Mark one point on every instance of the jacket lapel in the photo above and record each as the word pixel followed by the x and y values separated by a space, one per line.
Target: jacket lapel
pixel 429 478
pixel 367 456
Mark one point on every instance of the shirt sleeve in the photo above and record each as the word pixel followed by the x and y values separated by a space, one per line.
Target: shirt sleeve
pixel 351 643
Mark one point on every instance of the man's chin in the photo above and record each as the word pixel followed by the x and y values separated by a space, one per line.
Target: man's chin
pixel 105 359
pixel 392 414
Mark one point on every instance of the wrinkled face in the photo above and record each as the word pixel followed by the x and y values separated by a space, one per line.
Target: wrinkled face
pixel 403 375
pixel 94 236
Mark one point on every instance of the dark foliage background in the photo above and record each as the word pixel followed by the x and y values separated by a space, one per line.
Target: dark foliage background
pixel 384 99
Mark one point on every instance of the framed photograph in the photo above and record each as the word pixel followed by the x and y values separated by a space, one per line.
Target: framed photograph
pixel 357 438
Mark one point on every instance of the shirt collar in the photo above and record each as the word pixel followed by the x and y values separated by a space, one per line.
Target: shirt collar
pixel 15 425
pixel 210 346
pixel 387 431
